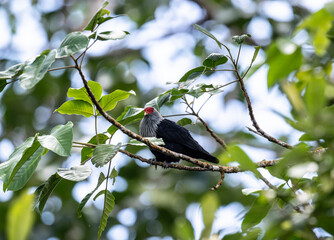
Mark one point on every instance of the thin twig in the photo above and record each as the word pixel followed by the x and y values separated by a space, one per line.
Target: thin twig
pixel 273 187
pixel 215 136
pixel 61 68
pixel 222 176
pixel 238 54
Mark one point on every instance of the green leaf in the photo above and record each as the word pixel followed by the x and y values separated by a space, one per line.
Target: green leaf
pixel 3 84
pixel 23 173
pixel 76 174
pixel 81 93
pixel 44 191
pixel 238 155
pixel 72 43
pixel 214 60
pixel 240 39
pixel 256 213
pixel 156 141
pixel 7 167
pixel 88 152
pixel 113 175
pixel 103 153
pixel 87 197
pixel 109 203
pixel 192 75
pixel 13 71
pixel 111 35
pixel 159 101
pixel 20 217
pixel 199 89
pixel 315 95
pixel 209 204
pixel 283 58
pixel 184 121
pixel 206 32
pixel 257 49
pixel 98 17
pixel 60 140
pixel 21 164
pixel 317 25
pixel 109 102
pixel 130 114
pixel 77 107
pixel 183 229
pixel 177 93
pixel 35 72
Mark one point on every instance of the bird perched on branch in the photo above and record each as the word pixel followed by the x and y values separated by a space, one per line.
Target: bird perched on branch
pixel 175 137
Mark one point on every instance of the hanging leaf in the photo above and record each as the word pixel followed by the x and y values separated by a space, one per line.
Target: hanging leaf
pixel 81 93
pixel 77 107
pixel 318 25
pixel 109 102
pixel 3 84
pixel 159 101
pixel 13 71
pixel 184 121
pixel 72 43
pixel 130 114
pixel 256 213
pixel 238 155
pixel 156 141
pixel 113 175
pixel 44 191
pixel 109 203
pixel 192 75
pixel 87 197
pixel 98 17
pixel 112 35
pixel 281 62
pixel 206 32
pixel 209 204
pixel 240 39
pixel 21 174
pixel 87 152
pixel 103 153
pixel 22 162
pixel 257 49
pixel 183 229
pixel 35 72
pixel 20 217
pixel 60 140
pixel 214 60
pixel 76 174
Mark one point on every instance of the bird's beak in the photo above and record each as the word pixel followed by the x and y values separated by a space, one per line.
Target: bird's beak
pixel 145 113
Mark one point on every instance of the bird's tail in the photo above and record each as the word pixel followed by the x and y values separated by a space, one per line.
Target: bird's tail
pixel 210 158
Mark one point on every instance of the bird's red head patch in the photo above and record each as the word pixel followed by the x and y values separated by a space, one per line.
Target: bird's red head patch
pixel 149 110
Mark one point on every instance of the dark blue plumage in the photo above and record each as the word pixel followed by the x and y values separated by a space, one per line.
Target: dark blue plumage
pixel 175 137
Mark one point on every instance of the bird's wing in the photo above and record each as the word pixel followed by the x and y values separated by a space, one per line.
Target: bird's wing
pixel 169 131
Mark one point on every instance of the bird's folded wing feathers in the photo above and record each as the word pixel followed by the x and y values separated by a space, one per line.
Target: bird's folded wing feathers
pixel 171 132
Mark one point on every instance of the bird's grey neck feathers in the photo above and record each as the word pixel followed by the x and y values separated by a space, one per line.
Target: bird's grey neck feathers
pixel 149 124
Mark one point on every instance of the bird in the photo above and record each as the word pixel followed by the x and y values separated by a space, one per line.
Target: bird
pixel 176 138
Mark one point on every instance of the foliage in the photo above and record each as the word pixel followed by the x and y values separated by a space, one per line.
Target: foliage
pixel 295 208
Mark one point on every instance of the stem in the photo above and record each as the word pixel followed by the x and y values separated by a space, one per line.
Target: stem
pixel 238 54
pixel 61 68
pixel 96 134
pixel 85 144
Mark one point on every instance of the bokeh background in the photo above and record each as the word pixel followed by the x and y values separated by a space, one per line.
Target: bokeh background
pixel 162 46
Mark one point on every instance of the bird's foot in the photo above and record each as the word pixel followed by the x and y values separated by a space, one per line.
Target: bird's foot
pixel 151 160
pixel 165 165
